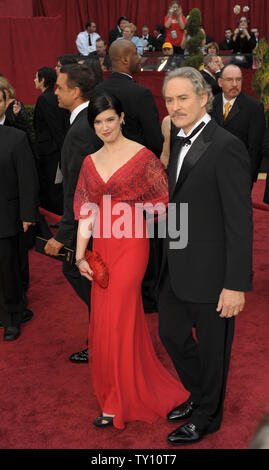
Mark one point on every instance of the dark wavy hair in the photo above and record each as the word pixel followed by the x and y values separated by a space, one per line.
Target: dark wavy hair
pixel 101 103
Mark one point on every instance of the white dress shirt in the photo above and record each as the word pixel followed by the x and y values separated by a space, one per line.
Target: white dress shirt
pixel 77 110
pixel 184 150
pixel 82 42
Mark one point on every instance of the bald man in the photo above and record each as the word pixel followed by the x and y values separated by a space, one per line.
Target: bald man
pixel 141 115
pixel 244 117
pixel 141 125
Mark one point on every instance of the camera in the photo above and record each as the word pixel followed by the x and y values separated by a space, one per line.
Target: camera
pixel 241 30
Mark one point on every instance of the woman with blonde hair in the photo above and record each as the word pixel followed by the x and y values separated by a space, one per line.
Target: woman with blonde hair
pixel 129 32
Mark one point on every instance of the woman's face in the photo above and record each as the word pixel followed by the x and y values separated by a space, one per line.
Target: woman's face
pixel 212 50
pixel 127 33
pixel 107 125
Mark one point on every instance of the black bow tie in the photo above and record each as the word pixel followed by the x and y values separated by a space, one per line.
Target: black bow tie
pixel 187 140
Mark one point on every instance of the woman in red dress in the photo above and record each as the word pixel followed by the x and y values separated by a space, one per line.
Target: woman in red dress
pixel 129 381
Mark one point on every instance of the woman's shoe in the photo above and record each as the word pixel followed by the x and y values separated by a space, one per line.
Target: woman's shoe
pixel 102 421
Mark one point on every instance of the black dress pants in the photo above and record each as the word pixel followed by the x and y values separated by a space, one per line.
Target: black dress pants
pixel 11 292
pixel 202 361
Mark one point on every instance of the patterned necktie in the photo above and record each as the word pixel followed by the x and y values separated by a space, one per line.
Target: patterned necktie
pixel 227 109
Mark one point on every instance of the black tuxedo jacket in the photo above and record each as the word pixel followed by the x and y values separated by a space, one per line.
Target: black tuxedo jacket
pixel 246 120
pixel 214 181
pixel 18 181
pixel 158 42
pixel 114 34
pixel 226 46
pixel 212 82
pixel 50 124
pixel 79 142
pixel 265 152
pixel 141 115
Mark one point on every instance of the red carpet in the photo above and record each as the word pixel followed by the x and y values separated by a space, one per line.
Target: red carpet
pixel 48 403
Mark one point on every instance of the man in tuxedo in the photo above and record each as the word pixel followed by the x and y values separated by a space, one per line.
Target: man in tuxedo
pixel 227 44
pixel 141 125
pixel 207 264
pixel 147 39
pixel 74 88
pixel 240 114
pixel 18 208
pixel 159 36
pixel 211 72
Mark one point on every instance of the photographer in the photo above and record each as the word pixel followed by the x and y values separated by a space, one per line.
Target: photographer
pixel 244 41
pixel 174 23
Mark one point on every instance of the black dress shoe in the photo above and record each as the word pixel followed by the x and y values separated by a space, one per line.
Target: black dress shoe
pixel 11 333
pixel 79 357
pixel 186 434
pixel 182 412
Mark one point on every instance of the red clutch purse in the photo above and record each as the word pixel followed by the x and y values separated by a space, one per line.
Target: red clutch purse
pixel 100 271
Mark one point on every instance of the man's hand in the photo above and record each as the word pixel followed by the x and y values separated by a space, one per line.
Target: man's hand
pixel 53 247
pixel 231 302
pixel 26 225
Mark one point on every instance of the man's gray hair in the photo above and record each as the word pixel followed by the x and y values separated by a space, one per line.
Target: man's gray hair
pixel 208 58
pixel 199 84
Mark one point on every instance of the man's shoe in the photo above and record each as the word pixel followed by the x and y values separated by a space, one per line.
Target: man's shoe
pixel 27 315
pixel 79 357
pixel 186 434
pixel 182 412
pixel 11 333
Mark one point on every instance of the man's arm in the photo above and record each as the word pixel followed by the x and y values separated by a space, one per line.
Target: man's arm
pixel 233 177
pixel 256 132
pixel 80 42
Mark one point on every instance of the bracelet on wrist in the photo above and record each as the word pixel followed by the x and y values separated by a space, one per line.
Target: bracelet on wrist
pixel 79 261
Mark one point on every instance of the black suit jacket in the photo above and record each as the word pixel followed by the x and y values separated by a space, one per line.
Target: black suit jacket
pixel 79 142
pixel 226 45
pixel 246 120
pixel 114 34
pixel 212 82
pixel 50 124
pixel 141 115
pixel 18 181
pixel 265 152
pixel 158 42
pixel 214 181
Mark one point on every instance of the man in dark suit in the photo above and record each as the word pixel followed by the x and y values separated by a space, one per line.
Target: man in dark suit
pixel 74 88
pixel 117 32
pixel 207 264
pixel 50 125
pixel 227 44
pixel 240 114
pixel 159 36
pixel 141 125
pixel 211 72
pixel 18 208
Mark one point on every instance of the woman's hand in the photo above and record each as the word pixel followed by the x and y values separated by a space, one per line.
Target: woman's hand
pixel 85 270
pixel 16 107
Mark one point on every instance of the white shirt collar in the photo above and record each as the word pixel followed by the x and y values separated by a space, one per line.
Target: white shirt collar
pixel 77 110
pixel 209 73
pixel 3 120
pixel 206 118
pixel 226 101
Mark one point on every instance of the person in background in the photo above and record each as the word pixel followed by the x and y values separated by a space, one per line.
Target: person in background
pixel 102 54
pixel 159 36
pixel 117 32
pixel 227 43
pixel 128 32
pixel 169 61
pixel 86 40
pixel 211 72
pixel 174 23
pixel 50 127
pixel 65 60
pixel 147 39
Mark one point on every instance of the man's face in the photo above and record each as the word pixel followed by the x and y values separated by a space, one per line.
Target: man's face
pixel 2 106
pixel 122 24
pixel 168 51
pixel 66 98
pixel 100 48
pixel 183 105
pixel 134 60
pixel 231 82
pixel 228 34
pixel 145 31
pixel 214 65
pixel 91 28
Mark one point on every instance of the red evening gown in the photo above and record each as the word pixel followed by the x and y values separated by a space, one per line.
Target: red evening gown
pixel 129 380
